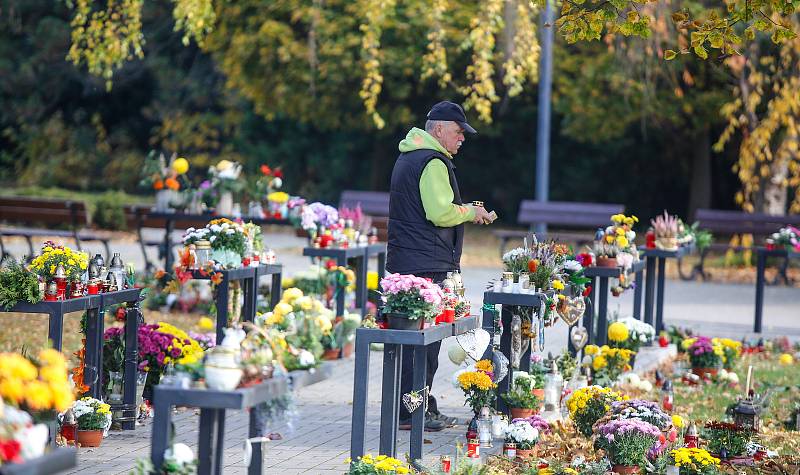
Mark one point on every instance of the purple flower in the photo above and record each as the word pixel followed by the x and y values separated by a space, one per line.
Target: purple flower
pixel 536 422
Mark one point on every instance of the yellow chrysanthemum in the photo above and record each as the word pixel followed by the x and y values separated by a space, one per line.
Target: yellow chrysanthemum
pixel 38 396
pixel 677 421
pixel 622 241
pixel 786 359
pixel 558 285
pixel 292 294
pixel 484 365
pixel 62 395
pixel 282 309
pixel 599 362
pixel 618 332
pixel 205 324
pixel 591 349
pixel 12 390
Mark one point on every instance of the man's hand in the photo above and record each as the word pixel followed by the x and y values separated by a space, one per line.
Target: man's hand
pixel 481 216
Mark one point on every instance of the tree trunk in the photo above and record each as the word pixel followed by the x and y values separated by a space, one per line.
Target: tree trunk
pixel 700 186
pixel 776 193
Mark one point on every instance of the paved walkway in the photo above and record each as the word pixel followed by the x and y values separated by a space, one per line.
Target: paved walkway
pixel 316 438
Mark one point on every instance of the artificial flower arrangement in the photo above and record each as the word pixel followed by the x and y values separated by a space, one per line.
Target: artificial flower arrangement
pixel 380 465
pixel 694 461
pixel 410 297
pixel 160 174
pixel 787 238
pixel 160 345
pixel 267 185
pixel 20 438
pixel 225 175
pixel 478 385
pixel 614 246
pixel 607 363
pixel 522 433
pixel 731 350
pixel 53 255
pixel 587 405
pixel 543 261
pixel 521 396
pixel 38 385
pixel 228 241
pixel 705 355
pixel 627 442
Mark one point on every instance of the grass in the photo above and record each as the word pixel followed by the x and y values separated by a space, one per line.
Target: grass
pixel 709 402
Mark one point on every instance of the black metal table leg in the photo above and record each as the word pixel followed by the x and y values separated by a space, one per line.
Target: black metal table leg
pixel 160 434
pixel 390 398
pixel 342 262
pixel 275 290
pixel 93 360
pixel 130 366
pixel 418 416
pixel 761 263
pixel 222 308
pixel 361 283
pixel 602 312
pixel 504 385
pixel 220 442
pixel 637 295
pixel 659 325
pixel 360 392
pixel 55 329
pixel 168 258
pixel 206 441
pixel 650 278
pixel 381 264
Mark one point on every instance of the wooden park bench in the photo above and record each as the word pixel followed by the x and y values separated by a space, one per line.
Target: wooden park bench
pixel 70 216
pixel 561 214
pixel 373 203
pixel 728 223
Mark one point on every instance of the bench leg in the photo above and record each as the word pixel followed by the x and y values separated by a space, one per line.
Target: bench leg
pixel 699 267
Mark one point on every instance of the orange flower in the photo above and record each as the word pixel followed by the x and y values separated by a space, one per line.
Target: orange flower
pixel 172 184
pixel 265 170
pixel 216 278
pixel 158 185
pixel 160 273
pixel 77 371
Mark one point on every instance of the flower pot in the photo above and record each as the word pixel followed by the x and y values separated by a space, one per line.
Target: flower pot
pixel 606 262
pixel 625 469
pixel 89 438
pixel 164 199
pixel 222 379
pixel 702 371
pixel 347 349
pixel 667 244
pixel 331 354
pixel 525 454
pixel 521 412
pixel 399 321
pixel 227 258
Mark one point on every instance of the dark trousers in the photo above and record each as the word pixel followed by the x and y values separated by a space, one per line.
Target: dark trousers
pixel 407 370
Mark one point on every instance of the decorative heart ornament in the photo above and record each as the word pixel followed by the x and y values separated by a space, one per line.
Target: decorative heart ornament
pixel 579 336
pixel 413 400
pixel 571 309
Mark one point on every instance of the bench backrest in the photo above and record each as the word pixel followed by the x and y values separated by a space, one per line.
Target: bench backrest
pixel 738 222
pixel 373 203
pixel 15 209
pixel 567 213
pixel 137 216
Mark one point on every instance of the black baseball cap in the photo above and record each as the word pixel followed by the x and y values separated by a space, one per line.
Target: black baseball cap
pixel 451 111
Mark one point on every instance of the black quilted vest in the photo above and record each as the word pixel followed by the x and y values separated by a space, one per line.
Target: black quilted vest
pixel 415 244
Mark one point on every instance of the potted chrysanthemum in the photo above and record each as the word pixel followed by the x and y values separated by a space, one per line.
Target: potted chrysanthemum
pixel 693 461
pixel 587 405
pixel 94 418
pixel 626 443
pixel 704 355
pixel 409 301
pixel 522 434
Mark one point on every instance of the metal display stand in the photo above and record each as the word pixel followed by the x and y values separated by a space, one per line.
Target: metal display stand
pixel 761 263
pixel 652 258
pixel 596 327
pixel 94 306
pixel 212 405
pixel 508 302
pixel 171 218
pixel 395 342
pixel 343 255
pixel 248 276
pixel 57 460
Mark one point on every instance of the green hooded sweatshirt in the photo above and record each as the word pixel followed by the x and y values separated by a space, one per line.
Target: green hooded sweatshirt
pixel 434 184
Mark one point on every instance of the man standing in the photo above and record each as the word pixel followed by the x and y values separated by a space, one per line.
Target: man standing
pixel 426 223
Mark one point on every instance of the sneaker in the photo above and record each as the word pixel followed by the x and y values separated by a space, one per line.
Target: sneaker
pixel 447 420
pixel 431 424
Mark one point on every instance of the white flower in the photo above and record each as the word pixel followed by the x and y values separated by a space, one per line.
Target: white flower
pixel 212 238
pixel 572 265
pixel 522 432
pixel 215 228
pixel 180 454
pixel 277 182
pixel 305 358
